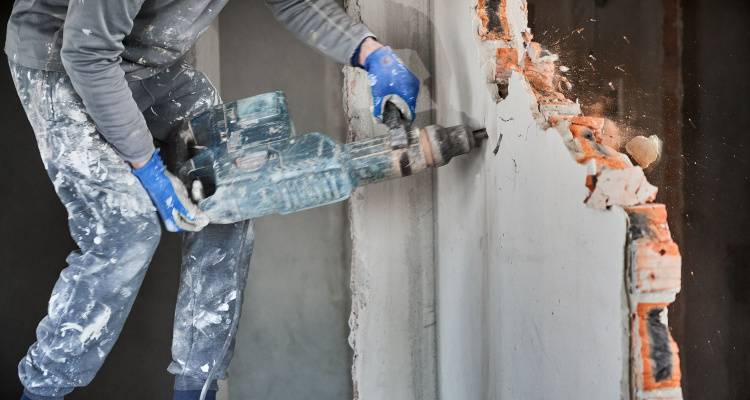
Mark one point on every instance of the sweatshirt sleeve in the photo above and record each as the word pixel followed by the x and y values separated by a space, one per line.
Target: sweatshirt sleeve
pixel 322 24
pixel 91 54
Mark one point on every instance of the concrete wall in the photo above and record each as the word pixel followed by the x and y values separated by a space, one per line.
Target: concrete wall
pixel 393 312
pixel 292 341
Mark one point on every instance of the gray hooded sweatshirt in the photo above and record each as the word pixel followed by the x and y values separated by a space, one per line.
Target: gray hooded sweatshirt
pixel 103 44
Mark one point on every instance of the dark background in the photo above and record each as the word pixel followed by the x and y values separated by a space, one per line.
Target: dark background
pixel 706 171
pixel 716 229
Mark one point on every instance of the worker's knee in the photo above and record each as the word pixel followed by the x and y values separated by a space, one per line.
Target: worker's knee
pixel 146 234
pixel 140 240
pixel 124 256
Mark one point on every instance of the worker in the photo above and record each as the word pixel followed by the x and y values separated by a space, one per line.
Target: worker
pixel 104 83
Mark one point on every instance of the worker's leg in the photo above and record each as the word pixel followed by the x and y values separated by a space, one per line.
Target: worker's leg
pixel 214 272
pixel 114 225
pixel 215 261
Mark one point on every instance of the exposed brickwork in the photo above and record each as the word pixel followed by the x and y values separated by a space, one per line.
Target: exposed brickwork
pixel 494 18
pixel 556 110
pixel 656 370
pixel 654 261
pixel 654 271
pixel 586 145
pixel 621 187
pixel 605 131
pixel 506 64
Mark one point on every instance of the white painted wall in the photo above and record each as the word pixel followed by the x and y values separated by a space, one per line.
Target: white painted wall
pixel 530 280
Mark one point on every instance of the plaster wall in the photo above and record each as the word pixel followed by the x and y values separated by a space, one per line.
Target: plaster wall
pixel 531 297
pixel 393 312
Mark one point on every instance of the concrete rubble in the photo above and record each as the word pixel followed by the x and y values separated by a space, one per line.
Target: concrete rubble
pixel 645 150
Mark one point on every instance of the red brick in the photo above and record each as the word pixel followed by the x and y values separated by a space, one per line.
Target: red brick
pixel 655 259
pixel 605 131
pixel 494 19
pixel 657 363
pixel 507 62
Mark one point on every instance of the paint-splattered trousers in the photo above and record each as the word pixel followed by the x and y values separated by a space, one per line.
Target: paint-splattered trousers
pixel 117 230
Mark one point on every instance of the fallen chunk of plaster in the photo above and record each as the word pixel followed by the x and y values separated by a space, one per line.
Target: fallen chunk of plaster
pixel 644 150
pixel 621 187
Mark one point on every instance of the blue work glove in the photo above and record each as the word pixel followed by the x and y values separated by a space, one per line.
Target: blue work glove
pixel 170 197
pixel 390 80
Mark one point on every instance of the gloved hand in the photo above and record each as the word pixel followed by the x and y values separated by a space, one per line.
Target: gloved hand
pixel 170 197
pixel 391 80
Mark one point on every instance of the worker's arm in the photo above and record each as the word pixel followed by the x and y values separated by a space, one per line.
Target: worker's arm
pixel 324 25
pixel 92 43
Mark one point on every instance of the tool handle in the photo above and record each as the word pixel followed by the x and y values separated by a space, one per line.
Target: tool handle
pixel 392 117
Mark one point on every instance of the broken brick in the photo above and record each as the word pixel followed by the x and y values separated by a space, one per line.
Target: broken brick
pixel 507 62
pixel 656 363
pixel 555 111
pixel 621 187
pixel 541 74
pixel 528 37
pixel 656 267
pixel 655 261
pixel 494 19
pixel 605 130
pixel 650 222
pixel 655 270
pixel 586 149
pixel 540 70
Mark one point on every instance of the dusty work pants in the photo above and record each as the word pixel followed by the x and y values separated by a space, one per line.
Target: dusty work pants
pixel 117 230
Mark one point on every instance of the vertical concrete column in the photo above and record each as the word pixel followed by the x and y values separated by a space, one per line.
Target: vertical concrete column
pixel 393 294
